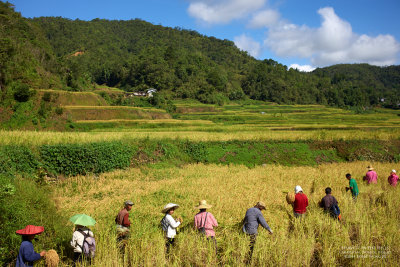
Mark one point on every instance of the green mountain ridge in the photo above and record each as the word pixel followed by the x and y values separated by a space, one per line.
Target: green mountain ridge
pixel 75 55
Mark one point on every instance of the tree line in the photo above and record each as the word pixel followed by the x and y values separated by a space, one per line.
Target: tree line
pixel 55 52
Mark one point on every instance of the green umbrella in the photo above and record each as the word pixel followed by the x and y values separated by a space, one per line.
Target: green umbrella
pixel 82 219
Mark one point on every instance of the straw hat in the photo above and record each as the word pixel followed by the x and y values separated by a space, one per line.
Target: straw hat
pixel 370 168
pixel 30 230
pixel 298 189
pixel 203 205
pixel 261 204
pixel 169 206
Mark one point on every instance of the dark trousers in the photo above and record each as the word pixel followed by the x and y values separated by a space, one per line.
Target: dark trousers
pixel 253 239
pixel 78 257
pixel 168 243
pixel 212 239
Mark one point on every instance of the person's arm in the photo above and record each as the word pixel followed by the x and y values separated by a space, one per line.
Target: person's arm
pixel 29 254
pixel 174 224
pixel 261 220
pixel 306 200
pixel 214 221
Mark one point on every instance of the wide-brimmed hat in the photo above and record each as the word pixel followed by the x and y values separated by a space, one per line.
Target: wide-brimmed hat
pixel 298 189
pixel 261 204
pixel 169 206
pixel 370 168
pixel 203 205
pixel 30 230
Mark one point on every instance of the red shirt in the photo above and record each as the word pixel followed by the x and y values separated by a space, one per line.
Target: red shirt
pixel 123 218
pixel 300 203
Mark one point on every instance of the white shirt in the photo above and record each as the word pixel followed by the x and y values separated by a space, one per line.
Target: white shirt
pixel 172 225
pixel 77 239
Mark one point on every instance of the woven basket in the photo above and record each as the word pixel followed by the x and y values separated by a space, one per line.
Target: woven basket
pixel 290 198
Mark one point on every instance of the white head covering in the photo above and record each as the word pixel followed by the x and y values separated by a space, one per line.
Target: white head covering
pixel 169 206
pixel 394 171
pixel 298 189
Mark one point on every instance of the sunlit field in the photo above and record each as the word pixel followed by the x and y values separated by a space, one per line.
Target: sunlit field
pixel 368 235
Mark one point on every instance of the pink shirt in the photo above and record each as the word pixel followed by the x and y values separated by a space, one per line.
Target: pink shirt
pixel 392 179
pixel 371 177
pixel 209 225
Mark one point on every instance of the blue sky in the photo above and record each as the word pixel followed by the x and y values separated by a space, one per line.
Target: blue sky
pixel 303 34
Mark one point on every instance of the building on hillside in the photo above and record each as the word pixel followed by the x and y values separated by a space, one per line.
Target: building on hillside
pixel 148 93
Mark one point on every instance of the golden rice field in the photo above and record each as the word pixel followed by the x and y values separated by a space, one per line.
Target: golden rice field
pixel 38 138
pixel 368 236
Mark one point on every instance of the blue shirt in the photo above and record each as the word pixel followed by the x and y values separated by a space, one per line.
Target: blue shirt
pixel 26 255
pixel 252 219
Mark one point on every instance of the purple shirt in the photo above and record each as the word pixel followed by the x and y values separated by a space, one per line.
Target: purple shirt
pixel 26 255
pixel 371 177
pixel 392 179
pixel 210 223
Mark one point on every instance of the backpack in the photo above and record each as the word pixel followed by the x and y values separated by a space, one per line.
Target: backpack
pixel 334 211
pixel 164 224
pixel 203 228
pixel 89 245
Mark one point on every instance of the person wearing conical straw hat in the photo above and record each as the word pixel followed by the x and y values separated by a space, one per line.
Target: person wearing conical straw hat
pixel 169 225
pixel 300 202
pixel 251 221
pixel 27 254
pixel 205 222
pixel 393 178
pixel 81 232
pixel 371 177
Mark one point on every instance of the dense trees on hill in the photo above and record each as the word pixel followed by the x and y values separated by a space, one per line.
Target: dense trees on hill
pixel 134 55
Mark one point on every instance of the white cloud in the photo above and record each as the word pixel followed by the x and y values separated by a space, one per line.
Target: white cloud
pixel 248 44
pixel 264 18
pixel 223 11
pixel 305 68
pixel 333 42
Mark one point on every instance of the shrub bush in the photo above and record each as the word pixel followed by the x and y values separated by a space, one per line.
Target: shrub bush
pixel 74 159
pixel 17 159
pixel 23 202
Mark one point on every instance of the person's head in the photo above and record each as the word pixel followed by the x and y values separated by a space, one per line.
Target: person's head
pixel 348 176
pixel 170 208
pixel 260 205
pixel 28 237
pixel 298 189
pixel 370 168
pixel 171 211
pixel 128 205
pixel 203 206
pixel 393 172
pixel 328 190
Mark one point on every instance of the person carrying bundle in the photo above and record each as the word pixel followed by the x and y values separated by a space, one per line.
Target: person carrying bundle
pixel 251 221
pixel 353 187
pixel 122 221
pixel 26 254
pixel 169 225
pixel 330 204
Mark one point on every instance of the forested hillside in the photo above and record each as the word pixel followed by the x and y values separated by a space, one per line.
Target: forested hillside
pixel 55 52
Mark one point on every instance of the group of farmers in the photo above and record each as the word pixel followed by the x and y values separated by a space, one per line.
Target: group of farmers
pixel 204 221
